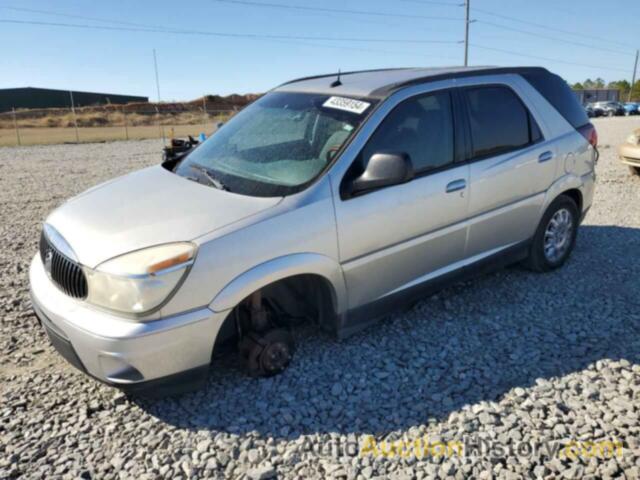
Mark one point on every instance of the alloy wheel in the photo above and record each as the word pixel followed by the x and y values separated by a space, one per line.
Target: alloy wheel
pixel 558 235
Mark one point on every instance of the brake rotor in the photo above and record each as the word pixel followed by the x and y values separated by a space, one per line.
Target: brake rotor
pixel 268 354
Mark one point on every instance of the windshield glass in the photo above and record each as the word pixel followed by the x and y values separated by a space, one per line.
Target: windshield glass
pixel 277 145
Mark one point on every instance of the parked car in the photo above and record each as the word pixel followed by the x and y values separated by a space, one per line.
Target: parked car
pixel 610 109
pixel 332 200
pixel 631 108
pixel 589 111
pixel 629 152
pixel 593 111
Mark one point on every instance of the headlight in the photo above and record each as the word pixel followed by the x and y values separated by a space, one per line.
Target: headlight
pixel 139 281
pixel 633 139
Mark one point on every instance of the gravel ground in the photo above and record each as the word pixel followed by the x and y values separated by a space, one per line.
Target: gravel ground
pixel 514 358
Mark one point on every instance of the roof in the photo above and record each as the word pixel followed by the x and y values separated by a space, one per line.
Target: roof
pixel 381 83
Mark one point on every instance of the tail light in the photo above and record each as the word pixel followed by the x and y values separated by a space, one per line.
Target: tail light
pixel 588 131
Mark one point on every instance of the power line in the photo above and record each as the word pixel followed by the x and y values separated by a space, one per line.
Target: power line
pixel 69 15
pixel 555 39
pixel 428 2
pixel 155 29
pixel 556 60
pixel 334 10
pixel 121 22
pixel 547 27
pixel 360 49
pixel 137 27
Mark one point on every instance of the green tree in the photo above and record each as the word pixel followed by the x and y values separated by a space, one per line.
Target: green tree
pixel 623 86
pixel 578 86
pixel 635 92
pixel 599 83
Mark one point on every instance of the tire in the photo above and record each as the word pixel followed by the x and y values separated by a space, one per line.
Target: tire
pixel 634 170
pixel 546 253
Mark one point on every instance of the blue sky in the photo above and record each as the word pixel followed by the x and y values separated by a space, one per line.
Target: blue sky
pixel 592 38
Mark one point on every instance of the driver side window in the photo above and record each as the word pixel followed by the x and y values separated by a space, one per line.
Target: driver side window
pixel 422 127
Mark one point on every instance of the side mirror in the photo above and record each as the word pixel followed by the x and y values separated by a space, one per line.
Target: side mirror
pixel 383 170
pixel 219 125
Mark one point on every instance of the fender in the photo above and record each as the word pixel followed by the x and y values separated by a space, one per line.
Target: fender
pixel 279 268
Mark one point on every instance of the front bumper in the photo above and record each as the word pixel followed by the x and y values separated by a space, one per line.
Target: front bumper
pixel 172 352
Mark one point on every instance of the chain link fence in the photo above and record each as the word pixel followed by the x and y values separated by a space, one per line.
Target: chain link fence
pixel 109 122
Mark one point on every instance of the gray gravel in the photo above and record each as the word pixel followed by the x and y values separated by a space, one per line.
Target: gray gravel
pixel 510 357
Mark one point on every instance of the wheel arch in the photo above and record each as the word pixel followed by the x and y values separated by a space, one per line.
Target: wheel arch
pixel 569 185
pixel 576 195
pixel 316 266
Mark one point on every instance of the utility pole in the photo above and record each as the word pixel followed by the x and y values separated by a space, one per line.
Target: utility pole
pixel 633 77
pixel 155 66
pixel 466 33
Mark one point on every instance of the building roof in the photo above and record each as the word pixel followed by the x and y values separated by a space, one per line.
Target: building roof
pixel 381 83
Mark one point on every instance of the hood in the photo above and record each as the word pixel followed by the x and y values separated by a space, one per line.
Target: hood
pixel 145 208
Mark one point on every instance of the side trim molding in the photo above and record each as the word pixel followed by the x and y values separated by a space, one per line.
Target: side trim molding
pixel 363 316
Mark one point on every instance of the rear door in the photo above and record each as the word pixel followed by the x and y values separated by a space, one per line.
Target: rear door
pixel 511 167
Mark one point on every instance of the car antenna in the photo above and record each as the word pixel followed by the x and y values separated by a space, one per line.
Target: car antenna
pixel 337 81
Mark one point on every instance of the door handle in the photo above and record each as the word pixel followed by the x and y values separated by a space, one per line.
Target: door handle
pixel 456 185
pixel 545 157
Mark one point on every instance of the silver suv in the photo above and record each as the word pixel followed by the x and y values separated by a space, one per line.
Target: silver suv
pixel 331 199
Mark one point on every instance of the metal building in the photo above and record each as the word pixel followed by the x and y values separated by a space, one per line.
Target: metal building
pixel 590 95
pixel 30 97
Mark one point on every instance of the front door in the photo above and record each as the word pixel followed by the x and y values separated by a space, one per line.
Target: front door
pixel 395 237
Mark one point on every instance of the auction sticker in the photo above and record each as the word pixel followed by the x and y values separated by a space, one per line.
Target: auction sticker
pixel 346 104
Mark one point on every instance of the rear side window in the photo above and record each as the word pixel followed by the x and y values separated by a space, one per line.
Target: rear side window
pixel 499 121
pixel 560 95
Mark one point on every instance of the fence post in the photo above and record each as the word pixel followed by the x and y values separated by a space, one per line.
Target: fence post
pixel 15 125
pixel 126 127
pixel 204 110
pixel 75 120
pixel 160 127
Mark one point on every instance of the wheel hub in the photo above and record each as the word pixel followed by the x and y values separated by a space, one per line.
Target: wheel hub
pixel 558 235
pixel 268 353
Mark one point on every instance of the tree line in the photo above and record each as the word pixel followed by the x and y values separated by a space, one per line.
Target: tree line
pixel 623 85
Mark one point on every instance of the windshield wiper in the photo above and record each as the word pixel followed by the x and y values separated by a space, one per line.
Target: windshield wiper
pixel 209 176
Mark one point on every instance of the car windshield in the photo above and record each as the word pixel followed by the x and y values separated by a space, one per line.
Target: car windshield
pixel 277 145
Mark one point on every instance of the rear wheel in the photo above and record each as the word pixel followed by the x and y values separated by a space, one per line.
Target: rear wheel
pixel 555 236
pixel 634 170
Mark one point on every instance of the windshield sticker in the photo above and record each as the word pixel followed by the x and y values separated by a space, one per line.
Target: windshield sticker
pixel 346 104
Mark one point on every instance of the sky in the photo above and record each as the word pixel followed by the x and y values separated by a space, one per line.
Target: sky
pixel 577 39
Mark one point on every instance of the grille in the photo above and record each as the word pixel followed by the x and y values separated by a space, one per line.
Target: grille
pixel 65 273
